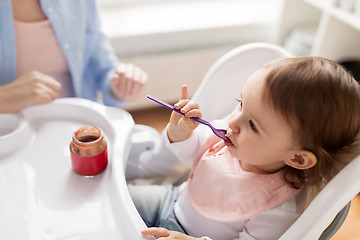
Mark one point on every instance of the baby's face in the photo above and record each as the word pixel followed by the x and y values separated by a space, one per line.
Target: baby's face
pixel 261 139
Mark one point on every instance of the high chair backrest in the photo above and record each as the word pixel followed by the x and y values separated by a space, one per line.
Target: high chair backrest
pixel 225 79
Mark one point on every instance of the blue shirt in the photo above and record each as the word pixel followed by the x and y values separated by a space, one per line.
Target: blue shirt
pixel 89 54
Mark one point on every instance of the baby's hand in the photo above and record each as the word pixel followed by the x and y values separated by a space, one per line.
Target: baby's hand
pixel 163 233
pixel 180 126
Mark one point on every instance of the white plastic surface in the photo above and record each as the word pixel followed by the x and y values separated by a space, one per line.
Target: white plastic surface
pixel 225 79
pixel 42 197
pixel 322 210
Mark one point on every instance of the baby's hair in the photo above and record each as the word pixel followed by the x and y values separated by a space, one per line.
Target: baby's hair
pixel 321 101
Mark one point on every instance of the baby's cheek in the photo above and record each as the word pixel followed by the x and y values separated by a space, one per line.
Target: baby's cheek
pixel 236 152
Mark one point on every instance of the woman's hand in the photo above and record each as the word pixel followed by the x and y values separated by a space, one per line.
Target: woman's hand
pixel 128 83
pixel 180 126
pixel 164 234
pixel 30 89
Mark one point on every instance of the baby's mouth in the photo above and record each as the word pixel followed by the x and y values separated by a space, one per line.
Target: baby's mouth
pixel 228 143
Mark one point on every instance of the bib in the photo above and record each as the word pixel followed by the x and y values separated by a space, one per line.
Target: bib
pixel 220 190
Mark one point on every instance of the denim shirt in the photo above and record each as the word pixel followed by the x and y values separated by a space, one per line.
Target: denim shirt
pixel 89 54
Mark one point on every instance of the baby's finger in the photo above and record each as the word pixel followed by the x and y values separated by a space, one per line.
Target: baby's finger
pixel 181 103
pixel 159 232
pixel 184 92
pixel 189 106
pixel 195 113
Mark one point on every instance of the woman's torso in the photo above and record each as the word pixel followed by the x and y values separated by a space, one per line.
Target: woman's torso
pixel 37 48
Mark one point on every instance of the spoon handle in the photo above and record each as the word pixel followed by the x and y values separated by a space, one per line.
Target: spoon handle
pixel 164 104
pixel 218 132
pixel 176 110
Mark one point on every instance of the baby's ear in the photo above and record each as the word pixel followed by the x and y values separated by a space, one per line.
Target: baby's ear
pixel 302 160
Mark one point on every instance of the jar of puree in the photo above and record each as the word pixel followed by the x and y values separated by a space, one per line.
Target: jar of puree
pixel 88 150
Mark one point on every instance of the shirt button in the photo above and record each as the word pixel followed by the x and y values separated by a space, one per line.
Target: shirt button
pixel 50 9
pixel 66 46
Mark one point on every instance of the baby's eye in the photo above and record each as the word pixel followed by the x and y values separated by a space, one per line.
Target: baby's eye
pixel 240 103
pixel 253 127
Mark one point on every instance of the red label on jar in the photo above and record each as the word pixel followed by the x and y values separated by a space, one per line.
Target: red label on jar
pixel 89 165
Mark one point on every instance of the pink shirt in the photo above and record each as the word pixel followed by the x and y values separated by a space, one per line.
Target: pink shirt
pixel 37 49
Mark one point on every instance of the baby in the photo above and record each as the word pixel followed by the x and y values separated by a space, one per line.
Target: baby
pixel 296 125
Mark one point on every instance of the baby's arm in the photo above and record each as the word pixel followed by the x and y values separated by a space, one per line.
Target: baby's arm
pixel 181 127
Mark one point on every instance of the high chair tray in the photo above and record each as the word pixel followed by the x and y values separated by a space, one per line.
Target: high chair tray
pixel 42 197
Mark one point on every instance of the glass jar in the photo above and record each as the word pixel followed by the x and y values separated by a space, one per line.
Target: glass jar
pixel 88 150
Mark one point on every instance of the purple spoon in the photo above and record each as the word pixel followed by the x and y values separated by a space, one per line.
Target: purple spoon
pixel 221 133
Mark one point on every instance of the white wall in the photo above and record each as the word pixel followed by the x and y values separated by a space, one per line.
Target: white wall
pixel 177 41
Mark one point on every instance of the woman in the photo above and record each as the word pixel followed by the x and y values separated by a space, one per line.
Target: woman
pixel 51 49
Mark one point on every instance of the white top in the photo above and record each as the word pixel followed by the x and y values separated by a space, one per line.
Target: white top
pixel 273 222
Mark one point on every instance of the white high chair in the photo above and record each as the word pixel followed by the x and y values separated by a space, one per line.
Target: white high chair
pixel 216 97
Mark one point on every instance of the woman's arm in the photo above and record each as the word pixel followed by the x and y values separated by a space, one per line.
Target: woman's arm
pixel 118 81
